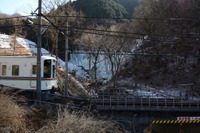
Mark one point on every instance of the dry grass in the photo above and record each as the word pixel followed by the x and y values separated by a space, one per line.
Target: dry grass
pixel 11 116
pixel 79 123
pixel 74 85
pixel 17 119
pixel 39 117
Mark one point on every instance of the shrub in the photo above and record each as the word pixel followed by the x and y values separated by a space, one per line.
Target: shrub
pixel 11 116
pixel 79 123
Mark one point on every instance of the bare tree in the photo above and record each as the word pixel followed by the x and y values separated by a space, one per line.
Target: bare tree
pixel 113 47
pixel 19 31
pixel 154 23
pixel 93 44
pixel 51 8
pixel 7 23
pixel 54 9
pixel 169 27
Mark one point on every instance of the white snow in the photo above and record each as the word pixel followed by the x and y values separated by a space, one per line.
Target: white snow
pixel 103 65
pixel 156 93
pixel 73 68
pixel 5 41
pixel 83 61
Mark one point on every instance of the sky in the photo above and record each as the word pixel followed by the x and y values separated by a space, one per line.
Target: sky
pixel 23 7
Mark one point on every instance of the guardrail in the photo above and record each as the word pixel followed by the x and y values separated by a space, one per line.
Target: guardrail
pixel 146 103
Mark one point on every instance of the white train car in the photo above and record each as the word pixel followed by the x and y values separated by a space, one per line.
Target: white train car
pixel 21 72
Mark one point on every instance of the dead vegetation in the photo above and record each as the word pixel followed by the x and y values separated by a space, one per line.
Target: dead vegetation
pixel 75 87
pixel 67 122
pixel 17 118
pixel 12 116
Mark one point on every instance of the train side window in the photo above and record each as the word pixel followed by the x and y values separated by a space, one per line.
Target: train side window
pixel 4 68
pixel 34 69
pixel 15 70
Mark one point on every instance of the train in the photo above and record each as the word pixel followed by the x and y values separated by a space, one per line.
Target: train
pixel 21 72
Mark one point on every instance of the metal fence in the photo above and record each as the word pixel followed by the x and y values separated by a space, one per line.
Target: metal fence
pixel 145 103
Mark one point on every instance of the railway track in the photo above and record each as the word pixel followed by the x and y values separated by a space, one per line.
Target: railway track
pixel 54 100
pixel 147 103
pixel 112 102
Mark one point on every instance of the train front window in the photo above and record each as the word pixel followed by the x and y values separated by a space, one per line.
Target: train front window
pixel 47 69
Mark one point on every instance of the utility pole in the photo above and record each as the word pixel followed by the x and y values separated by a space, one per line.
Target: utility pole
pixel 39 42
pixel 66 61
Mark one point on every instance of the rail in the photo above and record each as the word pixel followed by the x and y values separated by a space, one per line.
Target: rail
pixel 146 103
pixel 125 103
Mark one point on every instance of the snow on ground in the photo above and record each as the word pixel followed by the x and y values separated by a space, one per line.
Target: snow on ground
pixel 156 93
pixel 126 87
pixel 104 73
pixel 73 68
pixel 103 65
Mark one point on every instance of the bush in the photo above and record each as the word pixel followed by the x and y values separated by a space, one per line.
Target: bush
pixel 11 116
pixel 79 123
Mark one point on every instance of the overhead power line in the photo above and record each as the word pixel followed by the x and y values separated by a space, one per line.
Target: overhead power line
pixel 107 18
pixel 119 34
pixel 123 52
pixel 117 53
pixel 128 18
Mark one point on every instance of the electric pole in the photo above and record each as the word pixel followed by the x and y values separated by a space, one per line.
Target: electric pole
pixel 66 61
pixel 39 39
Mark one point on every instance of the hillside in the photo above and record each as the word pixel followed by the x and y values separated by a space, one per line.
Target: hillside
pixel 108 10
pixel 168 55
pixel 100 8
pixel 129 5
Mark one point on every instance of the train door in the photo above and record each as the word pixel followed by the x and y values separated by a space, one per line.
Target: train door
pixel 3 72
pixel 33 75
pixel 3 69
